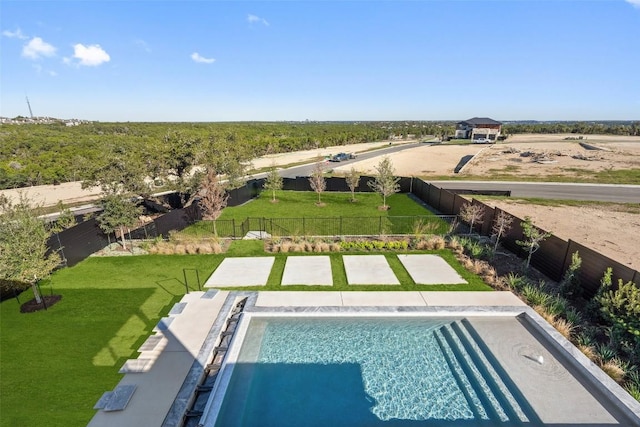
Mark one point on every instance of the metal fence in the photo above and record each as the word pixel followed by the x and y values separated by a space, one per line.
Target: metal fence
pixel 333 226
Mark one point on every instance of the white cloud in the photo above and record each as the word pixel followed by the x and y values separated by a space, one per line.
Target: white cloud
pixel 142 45
pixel 90 56
pixel 17 34
pixel 252 19
pixel 37 48
pixel 201 59
pixel 635 3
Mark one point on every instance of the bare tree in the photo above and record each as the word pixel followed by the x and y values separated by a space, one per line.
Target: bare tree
pixel 317 181
pixel 501 224
pixel 273 182
pixel 533 237
pixel 472 214
pixel 353 179
pixel 385 182
pixel 213 198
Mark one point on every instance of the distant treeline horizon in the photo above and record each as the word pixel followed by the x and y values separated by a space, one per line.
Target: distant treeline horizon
pixel 38 154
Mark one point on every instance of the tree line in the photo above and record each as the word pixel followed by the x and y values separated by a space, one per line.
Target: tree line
pixel 38 154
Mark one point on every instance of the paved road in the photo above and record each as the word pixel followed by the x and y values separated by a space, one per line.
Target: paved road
pixel 546 190
pixel 305 170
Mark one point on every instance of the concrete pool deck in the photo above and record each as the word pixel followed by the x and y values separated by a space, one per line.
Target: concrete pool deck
pixel 158 387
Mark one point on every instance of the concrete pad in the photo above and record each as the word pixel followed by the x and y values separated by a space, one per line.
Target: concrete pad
pixel 430 270
pixel 368 270
pixel 552 390
pixel 376 299
pixel 299 299
pixel 249 271
pixel 307 270
pixel 470 299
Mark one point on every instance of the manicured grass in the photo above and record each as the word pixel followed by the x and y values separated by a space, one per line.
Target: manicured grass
pixel 299 204
pixel 57 363
pixel 296 214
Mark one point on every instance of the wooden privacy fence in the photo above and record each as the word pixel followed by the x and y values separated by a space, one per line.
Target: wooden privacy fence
pixel 554 256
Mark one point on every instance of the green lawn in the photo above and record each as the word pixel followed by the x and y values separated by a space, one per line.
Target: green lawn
pixel 296 214
pixel 298 204
pixel 57 363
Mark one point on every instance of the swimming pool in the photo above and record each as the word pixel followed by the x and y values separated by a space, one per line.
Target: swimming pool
pixel 398 370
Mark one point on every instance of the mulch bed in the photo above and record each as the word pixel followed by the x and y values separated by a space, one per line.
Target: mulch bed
pixel 32 306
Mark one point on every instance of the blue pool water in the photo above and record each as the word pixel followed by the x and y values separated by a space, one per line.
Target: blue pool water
pixel 366 372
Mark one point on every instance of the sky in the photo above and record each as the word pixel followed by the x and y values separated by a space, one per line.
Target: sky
pixel 328 60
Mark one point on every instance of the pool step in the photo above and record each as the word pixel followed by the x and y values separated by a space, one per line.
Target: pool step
pixel 485 390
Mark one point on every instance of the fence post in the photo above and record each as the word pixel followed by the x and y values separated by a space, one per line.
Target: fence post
pixel 303 227
pixel 233 224
pixel 380 226
pixel 341 225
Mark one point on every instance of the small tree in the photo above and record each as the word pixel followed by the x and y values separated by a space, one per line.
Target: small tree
pixel 501 224
pixel 317 181
pixel 385 182
pixel 65 219
pixel 570 283
pixel 24 257
pixel 273 182
pixel 533 237
pixel 213 198
pixel 472 214
pixel 118 213
pixel 353 179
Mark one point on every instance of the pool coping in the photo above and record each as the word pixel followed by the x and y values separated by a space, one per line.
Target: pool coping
pixel 605 386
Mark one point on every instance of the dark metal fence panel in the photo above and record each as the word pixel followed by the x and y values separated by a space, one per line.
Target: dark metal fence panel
pixel 513 234
pixel 176 220
pixel 420 189
pixel 405 184
pixel 434 197
pixel 593 267
pixel 337 184
pixel 458 201
pixel 78 242
pixel 486 221
pixel 446 202
pixel 549 258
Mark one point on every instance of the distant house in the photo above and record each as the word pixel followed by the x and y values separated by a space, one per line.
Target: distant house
pixel 478 128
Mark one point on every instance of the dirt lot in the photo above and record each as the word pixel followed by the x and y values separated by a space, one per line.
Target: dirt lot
pixel 611 230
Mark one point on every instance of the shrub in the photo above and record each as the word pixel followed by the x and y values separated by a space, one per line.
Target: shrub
pixel 621 309
pixel 563 326
pixel 605 353
pixel 514 281
pixel 535 295
pixel 557 305
pixel 613 368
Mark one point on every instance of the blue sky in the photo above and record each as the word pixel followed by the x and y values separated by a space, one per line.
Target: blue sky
pixel 326 60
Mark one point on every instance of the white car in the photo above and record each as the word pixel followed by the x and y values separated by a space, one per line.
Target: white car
pixel 482 141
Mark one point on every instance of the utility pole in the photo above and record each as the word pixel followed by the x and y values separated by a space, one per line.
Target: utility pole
pixel 29 105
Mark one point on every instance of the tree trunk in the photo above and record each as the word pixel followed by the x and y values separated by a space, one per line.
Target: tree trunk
pixel 215 230
pixel 36 293
pixel 124 241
